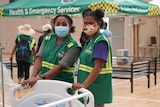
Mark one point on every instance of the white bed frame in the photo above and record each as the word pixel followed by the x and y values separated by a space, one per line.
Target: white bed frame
pixel 52 93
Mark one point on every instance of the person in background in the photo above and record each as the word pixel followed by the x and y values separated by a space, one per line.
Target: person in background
pixel 95 68
pixel 47 28
pixel 106 32
pixel 52 24
pixel 25 33
pixel 58 53
pixel 41 31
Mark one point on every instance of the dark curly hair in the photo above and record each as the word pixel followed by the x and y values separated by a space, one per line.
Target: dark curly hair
pixel 98 14
pixel 70 21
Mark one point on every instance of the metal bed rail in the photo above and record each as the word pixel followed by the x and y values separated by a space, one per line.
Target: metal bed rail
pixel 131 71
pixel 155 67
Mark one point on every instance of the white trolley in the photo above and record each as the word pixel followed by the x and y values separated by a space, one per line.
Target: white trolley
pixel 52 93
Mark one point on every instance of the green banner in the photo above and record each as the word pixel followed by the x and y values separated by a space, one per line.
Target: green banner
pixel 54 7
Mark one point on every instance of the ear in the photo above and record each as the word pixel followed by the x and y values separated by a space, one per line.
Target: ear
pixel 69 28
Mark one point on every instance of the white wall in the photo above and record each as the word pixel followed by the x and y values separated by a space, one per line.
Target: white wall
pixel 146 30
pixel 8 29
pixel 2 2
pixel 117 28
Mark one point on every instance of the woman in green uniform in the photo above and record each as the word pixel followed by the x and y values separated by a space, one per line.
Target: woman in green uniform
pixel 95 69
pixel 57 53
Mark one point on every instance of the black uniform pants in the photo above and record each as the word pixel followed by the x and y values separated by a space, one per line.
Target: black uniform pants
pixel 23 69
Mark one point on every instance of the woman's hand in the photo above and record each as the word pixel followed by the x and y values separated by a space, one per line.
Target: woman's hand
pixel 30 81
pixel 77 86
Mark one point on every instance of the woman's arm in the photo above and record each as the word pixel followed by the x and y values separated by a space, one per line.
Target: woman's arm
pixel 37 67
pixel 92 76
pixel 38 61
pixel 99 57
pixel 38 30
pixel 70 57
pixel 98 64
pixel 13 51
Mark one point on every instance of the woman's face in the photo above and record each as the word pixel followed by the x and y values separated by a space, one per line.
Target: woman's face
pixel 61 21
pixel 90 25
pixel 61 27
pixel 89 20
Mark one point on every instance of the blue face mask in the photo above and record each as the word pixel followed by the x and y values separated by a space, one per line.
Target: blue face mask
pixel 61 31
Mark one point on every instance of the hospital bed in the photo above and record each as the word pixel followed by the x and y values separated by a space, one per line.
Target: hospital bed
pixel 52 93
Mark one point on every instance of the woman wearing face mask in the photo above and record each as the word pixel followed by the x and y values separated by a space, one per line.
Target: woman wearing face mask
pixel 95 69
pixel 57 53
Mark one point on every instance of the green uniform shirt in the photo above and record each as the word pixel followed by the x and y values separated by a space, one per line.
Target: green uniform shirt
pixel 53 53
pixel 102 86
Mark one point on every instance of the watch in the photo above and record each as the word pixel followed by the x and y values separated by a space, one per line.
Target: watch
pixel 42 76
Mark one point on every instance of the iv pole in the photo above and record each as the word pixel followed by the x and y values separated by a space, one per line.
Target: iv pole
pixel 3 103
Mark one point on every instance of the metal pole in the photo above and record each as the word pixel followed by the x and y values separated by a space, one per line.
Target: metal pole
pixel 158 35
pixel 3 103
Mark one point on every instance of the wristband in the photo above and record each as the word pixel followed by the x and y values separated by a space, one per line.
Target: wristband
pixel 42 76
